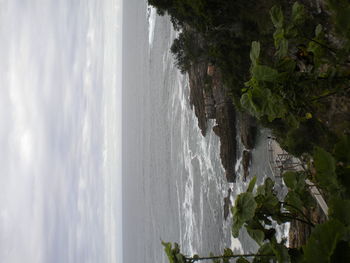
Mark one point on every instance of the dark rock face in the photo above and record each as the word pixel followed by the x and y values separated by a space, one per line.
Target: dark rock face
pixel 227 204
pixel 209 102
pixel 197 74
pixel 222 109
pixel 246 159
pixel 248 130
pixel 226 126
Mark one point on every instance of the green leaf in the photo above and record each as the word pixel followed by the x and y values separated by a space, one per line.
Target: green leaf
pixel 276 16
pixel 255 52
pixel 256 230
pixel 180 258
pixel 256 234
pixel 293 200
pixel 242 260
pixel 286 65
pixel 294 180
pixel 323 241
pixel 282 48
pixel 267 200
pixel 275 107
pixel 290 179
pixel 298 14
pixel 248 104
pixel 243 211
pixel 251 184
pixel 265 249
pixel 264 73
pixel 169 252
pixel 278 36
pixel 340 209
pixel 318 30
pixel 281 252
pixel 260 97
pixel 267 187
pixel 252 83
pixel 227 253
pixel 176 248
pixel 342 150
pixel 260 101
pixel 269 184
pixel 281 43
pixel 306 197
pixel 291 31
pixel 292 121
pixel 325 171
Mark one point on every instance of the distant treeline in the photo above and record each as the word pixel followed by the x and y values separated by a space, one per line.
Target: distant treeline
pixel 218 31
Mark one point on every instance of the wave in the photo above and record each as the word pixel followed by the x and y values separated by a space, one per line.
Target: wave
pixel 152 16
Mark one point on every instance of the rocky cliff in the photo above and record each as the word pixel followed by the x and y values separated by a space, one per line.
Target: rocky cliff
pixel 216 103
pixel 226 126
pixel 197 74
pixel 247 130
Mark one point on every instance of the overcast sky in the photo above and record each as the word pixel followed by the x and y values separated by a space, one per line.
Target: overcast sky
pixel 60 118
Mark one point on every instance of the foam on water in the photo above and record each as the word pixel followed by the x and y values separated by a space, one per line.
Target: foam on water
pixel 152 16
pixel 195 149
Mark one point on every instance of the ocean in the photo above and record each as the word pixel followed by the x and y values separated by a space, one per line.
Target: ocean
pixel 173 180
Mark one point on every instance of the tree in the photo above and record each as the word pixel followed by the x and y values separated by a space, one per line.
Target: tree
pixel 256 211
pixel 187 49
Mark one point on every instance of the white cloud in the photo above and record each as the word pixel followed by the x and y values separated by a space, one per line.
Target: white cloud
pixel 53 100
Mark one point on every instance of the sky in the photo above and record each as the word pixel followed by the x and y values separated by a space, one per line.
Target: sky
pixel 60 130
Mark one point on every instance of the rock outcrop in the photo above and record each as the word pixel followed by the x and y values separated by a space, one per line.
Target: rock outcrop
pixel 248 130
pixel 209 104
pixel 226 126
pixel 227 204
pixel 246 160
pixel 213 102
pixel 197 75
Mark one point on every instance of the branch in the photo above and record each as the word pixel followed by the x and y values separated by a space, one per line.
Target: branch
pixel 299 210
pixel 297 219
pixel 322 45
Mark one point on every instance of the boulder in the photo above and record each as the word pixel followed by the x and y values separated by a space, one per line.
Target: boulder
pixel 246 160
pixel 197 74
pixel 227 204
pixel 226 126
pixel 248 130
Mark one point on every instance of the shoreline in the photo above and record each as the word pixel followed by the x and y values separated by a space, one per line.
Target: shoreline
pixel 211 101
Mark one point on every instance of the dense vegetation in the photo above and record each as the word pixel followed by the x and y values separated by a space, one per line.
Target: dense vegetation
pixel 217 31
pixel 288 66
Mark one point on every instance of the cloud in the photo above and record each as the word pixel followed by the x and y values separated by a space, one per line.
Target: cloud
pixel 52 133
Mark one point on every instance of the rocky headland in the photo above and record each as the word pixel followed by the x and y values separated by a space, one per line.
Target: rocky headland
pixel 197 74
pixel 247 130
pixel 210 100
pixel 225 128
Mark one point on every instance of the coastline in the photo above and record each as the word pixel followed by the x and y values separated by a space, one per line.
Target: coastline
pixel 225 114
